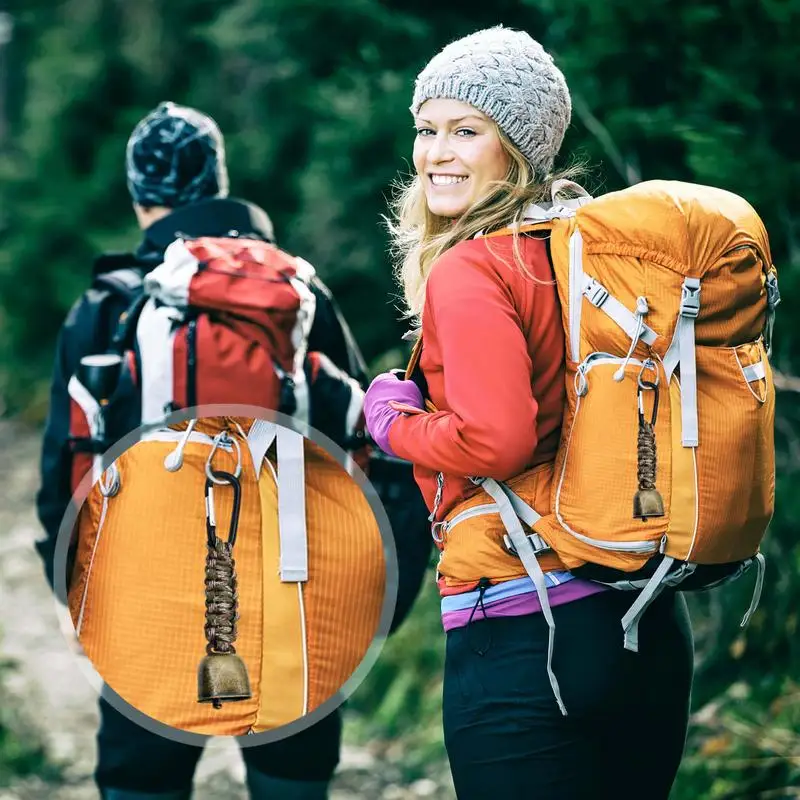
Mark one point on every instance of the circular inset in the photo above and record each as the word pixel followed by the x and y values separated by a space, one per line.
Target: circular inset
pixel 227 574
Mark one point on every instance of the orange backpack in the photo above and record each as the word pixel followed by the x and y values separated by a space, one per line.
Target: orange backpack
pixel 308 562
pixel 665 473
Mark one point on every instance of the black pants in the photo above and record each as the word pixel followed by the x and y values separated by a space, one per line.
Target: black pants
pixel 627 712
pixel 132 758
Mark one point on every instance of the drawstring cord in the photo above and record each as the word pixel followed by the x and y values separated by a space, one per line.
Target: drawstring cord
pixel 174 460
pixel 641 310
pixel 483 585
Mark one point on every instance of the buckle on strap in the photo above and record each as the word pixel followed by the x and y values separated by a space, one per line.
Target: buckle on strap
pixel 524 547
pixel 539 545
pixel 690 298
pixel 595 292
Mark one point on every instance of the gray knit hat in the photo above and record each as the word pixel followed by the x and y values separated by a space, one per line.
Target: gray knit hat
pixel 509 77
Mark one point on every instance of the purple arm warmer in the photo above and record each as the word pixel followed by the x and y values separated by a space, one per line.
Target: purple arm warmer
pixel 379 414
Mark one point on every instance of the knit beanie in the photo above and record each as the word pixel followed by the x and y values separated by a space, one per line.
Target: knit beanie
pixel 509 77
pixel 176 156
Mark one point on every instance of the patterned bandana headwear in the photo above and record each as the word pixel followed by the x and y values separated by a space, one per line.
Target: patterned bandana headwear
pixel 176 156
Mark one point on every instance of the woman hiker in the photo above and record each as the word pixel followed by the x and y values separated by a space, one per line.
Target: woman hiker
pixel 490 112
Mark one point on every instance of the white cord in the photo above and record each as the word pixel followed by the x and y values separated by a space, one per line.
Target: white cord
pixel 174 460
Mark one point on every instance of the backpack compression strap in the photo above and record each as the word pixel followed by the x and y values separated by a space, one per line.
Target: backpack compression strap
pixel 291 484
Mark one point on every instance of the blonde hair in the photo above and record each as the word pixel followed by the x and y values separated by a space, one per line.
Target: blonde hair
pixel 419 237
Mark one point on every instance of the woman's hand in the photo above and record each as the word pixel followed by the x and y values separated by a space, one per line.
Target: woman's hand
pixel 388 398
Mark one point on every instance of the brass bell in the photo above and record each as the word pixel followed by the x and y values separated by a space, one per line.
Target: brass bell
pixel 221 678
pixel 648 503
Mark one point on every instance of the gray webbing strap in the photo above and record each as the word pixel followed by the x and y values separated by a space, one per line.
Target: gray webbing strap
pixel 259 439
pixel 528 515
pixel 527 555
pixel 754 372
pixel 760 569
pixel 681 351
pixel 654 587
pixel 292 506
pixel 600 298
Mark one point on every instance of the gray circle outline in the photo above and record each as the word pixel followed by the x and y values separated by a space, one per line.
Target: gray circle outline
pixel 369 658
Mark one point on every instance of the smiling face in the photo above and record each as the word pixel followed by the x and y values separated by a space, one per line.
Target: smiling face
pixel 457 153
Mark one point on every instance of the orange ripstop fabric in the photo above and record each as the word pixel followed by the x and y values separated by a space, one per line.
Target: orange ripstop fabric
pixel 643 242
pixel 137 594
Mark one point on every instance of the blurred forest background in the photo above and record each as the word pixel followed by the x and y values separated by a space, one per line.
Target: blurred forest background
pixel 313 98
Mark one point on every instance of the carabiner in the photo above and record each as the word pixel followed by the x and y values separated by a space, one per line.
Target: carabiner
pixel 220 439
pixel 650 386
pixel 222 478
pixel 648 364
pixel 434 531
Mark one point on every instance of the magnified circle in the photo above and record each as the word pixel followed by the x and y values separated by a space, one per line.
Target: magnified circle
pixel 229 572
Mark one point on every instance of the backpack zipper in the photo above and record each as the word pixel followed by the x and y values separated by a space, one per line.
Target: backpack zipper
pixel 475 511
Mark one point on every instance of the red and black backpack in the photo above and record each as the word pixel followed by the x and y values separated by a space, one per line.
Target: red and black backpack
pixel 219 321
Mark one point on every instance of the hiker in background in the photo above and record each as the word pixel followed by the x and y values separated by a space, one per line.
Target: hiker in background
pixel 491 111
pixel 178 181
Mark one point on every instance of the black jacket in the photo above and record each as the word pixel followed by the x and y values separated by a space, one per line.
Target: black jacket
pixel 90 324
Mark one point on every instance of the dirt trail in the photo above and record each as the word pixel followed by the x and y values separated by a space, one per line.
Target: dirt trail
pixel 51 698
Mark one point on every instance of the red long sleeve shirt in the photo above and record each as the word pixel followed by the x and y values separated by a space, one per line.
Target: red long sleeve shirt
pixel 493 358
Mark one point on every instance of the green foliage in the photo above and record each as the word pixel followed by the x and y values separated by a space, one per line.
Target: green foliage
pixel 744 744
pixel 313 98
pixel 19 756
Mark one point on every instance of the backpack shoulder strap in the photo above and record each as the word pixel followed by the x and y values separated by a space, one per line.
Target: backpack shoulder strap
pixel 414 373
pixel 416 351
pixel 566 198
pixel 127 282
